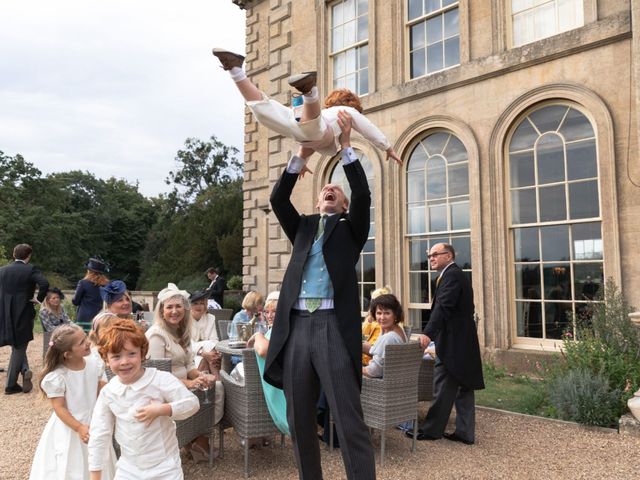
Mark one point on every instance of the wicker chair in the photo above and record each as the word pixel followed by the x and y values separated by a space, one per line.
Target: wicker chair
pixel 222 313
pixel 425 380
pixel 221 329
pixel 392 399
pixel 245 408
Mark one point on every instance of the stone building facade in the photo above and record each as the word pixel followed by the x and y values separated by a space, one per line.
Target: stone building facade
pixel 517 123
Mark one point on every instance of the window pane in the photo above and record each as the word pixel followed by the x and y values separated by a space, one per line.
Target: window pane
pixel 550 156
pixel 548 119
pixel 557 319
pixel 526 244
pixel 417 219
pixel 528 284
pixel 418 67
pixel 455 151
pixel 350 82
pixel 339 66
pixel 369 267
pixel 363 6
pixel 363 79
pixel 417 36
pixel 434 29
pixel 435 143
pixel 583 200
pixel 435 57
pixel 452 51
pixel 462 246
pixel 349 9
pixel 524 137
pixel 460 216
pixel 351 64
pixel 418 159
pixel 576 126
pixel 436 178
pixel 438 218
pixel 529 319
pixel 431 5
pixel 419 287
pixel 555 243
pixel 363 56
pixel 337 14
pixel 553 203
pixel 336 39
pixel 581 160
pixel 587 241
pixel 458 180
pixel 363 28
pixel 415 9
pixel 451 23
pixel 556 279
pixel 521 169
pixel 418 254
pixel 415 186
pixel 349 33
pixel 523 206
pixel 545 23
pixel 587 278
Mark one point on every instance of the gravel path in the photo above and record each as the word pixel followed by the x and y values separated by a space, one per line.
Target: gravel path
pixel 507 446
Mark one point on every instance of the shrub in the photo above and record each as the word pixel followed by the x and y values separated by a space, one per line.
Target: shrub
pixel 583 397
pixel 235 283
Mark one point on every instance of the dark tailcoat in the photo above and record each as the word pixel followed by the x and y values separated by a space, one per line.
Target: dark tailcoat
pixel 216 291
pixel 344 238
pixel 452 327
pixel 17 284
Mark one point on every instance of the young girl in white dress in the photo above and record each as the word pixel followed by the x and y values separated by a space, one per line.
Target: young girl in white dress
pixel 71 380
pixel 141 404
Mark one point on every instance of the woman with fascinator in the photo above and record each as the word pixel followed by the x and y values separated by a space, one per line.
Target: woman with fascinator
pixel 87 297
pixel 170 337
pixel 116 298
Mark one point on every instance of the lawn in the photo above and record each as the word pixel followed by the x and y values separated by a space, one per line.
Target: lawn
pixel 515 393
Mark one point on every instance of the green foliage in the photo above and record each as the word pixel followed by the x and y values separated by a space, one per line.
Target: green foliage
pixel 584 397
pixel 235 282
pixel 3 257
pixel 608 348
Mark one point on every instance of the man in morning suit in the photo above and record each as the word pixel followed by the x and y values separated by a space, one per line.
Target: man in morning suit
pixel 317 340
pixel 217 286
pixel 458 367
pixel 18 282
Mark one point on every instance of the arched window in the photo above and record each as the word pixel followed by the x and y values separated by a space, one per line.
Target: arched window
pixel 556 230
pixel 437 211
pixel 366 267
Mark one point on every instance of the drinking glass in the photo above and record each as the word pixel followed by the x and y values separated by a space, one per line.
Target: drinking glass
pixel 232 332
pixel 204 386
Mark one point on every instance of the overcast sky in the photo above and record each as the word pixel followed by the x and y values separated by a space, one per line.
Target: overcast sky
pixel 115 87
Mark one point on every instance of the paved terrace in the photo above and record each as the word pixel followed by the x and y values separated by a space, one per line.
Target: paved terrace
pixel 507 446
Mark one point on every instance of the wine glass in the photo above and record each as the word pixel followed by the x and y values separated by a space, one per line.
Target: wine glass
pixel 205 385
pixel 232 333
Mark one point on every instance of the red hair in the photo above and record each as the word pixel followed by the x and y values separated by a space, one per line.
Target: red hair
pixel 116 334
pixel 343 97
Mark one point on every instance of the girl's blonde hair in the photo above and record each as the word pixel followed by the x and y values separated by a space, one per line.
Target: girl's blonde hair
pixel 100 321
pixel 183 334
pixel 61 342
pixel 252 301
pixel 96 278
pixel 47 306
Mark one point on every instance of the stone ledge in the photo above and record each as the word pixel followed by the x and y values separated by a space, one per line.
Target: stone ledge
pixel 629 425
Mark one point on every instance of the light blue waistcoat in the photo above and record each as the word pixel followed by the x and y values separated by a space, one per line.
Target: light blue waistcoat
pixel 315 277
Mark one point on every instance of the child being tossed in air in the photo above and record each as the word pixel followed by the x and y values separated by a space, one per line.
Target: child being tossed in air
pixel 317 129
pixel 141 403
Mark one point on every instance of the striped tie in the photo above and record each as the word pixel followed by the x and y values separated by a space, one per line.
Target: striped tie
pixel 321 224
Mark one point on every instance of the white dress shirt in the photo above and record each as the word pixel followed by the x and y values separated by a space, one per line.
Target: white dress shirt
pixel 148 452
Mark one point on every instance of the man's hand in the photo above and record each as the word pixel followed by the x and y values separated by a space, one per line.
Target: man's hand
pixel 344 122
pixel 424 341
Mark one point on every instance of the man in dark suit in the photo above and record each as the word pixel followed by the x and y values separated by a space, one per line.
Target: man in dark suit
pixel 317 340
pixel 217 286
pixel 458 368
pixel 18 282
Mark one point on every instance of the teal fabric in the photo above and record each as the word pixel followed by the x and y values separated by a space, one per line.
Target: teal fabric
pixel 274 397
pixel 315 277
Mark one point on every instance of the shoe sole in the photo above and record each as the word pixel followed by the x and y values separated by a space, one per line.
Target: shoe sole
pixel 216 51
pixel 27 385
pixel 294 80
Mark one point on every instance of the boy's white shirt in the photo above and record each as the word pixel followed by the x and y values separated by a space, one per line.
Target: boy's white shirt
pixel 140 445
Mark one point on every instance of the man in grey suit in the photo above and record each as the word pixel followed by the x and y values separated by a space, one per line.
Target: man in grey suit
pixel 18 281
pixel 317 341
pixel 458 368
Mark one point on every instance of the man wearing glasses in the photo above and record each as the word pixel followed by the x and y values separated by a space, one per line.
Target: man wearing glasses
pixel 458 367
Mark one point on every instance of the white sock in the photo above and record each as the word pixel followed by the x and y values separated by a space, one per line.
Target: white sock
pixel 312 96
pixel 237 74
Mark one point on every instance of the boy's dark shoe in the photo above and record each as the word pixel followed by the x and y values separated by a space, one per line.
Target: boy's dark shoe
pixel 228 59
pixel 304 82
pixel 455 438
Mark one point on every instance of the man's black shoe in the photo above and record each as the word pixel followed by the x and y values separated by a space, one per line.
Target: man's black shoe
pixel 14 389
pixel 421 436
pixel 27 384
pixel 455 438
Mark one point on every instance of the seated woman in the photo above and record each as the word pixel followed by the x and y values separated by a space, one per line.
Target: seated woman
pixel 52 313
pixel 203 334
pixel 388 313
pixel 273 396
pixel 252 305
pixel 170 337
pixel 116 298
pixel 371 328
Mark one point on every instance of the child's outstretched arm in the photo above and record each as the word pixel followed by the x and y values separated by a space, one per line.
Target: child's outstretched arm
pixel 63 413
pixel 368 130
